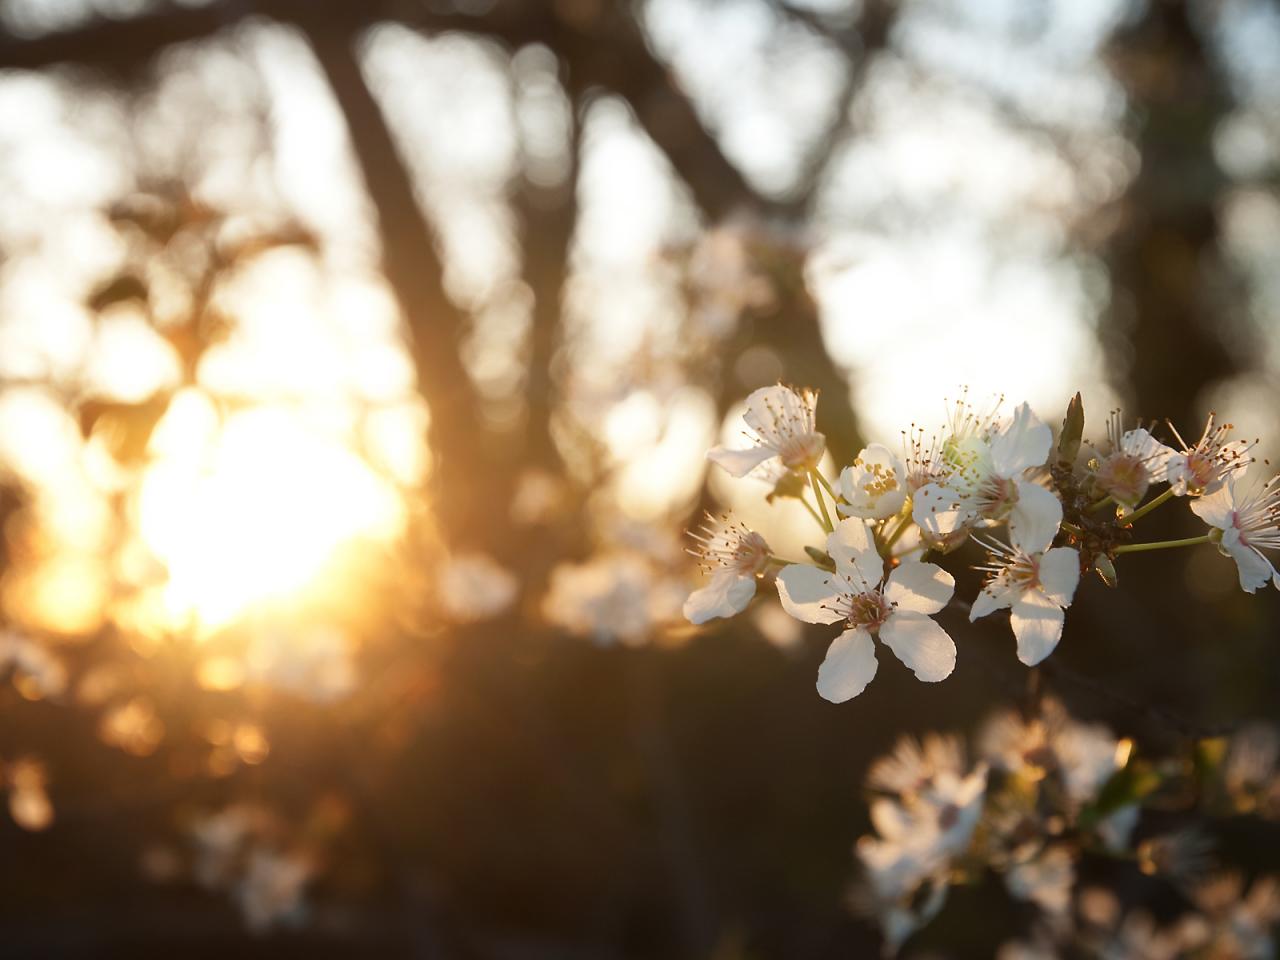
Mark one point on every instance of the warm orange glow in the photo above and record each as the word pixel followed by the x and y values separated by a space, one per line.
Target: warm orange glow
pixel 253 509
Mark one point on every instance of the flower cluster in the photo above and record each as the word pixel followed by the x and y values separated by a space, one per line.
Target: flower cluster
pixel 237 849
pixel 1042 515
pixel 1045 793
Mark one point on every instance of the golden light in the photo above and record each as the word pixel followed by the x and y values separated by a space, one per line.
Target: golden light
pixel 253 508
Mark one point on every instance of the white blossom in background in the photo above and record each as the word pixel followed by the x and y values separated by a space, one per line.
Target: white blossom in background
pixel 733 556
pixel 539 497
pixel 238 851
pixel 1033 579
pixel 316 663
pixel 1202 467
pixel 930 820
pixel 219 839
pixel 473 587
pixel 1249 522
pixel 29 802
pixel 31 661
pixel 897 609
pixel 1135 461
pixel 875 486
pixel 783 427
pixel 1045 877
pixel 724 282
pixel 270 891
pixel 612 598
pixel 913 764
pixel 1082 756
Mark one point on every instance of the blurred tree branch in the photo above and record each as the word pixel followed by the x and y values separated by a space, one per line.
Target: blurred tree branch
pixel 1165 329
pixel 600 47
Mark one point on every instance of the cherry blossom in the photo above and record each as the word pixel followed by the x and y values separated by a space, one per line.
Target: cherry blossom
pixel 1034 580
pixel 734 556
pixel 898 609
pixel 1249 522
pixel 874 487
pixel 783 425
pixel 1202 467
pixel 985 479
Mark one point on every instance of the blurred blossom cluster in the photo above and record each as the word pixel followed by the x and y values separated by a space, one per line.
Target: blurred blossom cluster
pixel 238 850
pixel 1048 798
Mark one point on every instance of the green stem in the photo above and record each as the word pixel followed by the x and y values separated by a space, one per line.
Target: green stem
pixel 825 485
pixel 1072 528
pixel 1098 505
pixel 1147 507
pixel 813 513
pixel 1161 544
pixel 897 534
pixel 822 504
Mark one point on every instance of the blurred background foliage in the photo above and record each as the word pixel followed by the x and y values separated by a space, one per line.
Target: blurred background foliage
pixel 357 365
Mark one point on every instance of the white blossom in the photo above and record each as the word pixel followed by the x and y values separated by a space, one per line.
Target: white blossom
pixel 913 764
pixel 783 425
pixel 270 891
pixel 897 609
pixel 1202 467
pixel 315 662
pixel 984 474
pixel 611 598
pixel 1250 522
pixel 1035 581
pixel 1045 878
pixel 31 660
pixel 473 587
pixel 874 487
pixel 734 556
pixel 1135 461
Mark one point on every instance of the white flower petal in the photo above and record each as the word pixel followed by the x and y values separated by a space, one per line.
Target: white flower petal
pixel 920 587
pixel 740 462
pixel 1060 574
pixel 808 593
pixel 775 410
pixel 853 548
pixel 1037 623
pixel 1035 519
pixel 939 510
pixel 998 593
pixel 849 666
pixel 1178 472
pixel 921 644
pixel 1217 509
pixel 727 594
pixel 1254 568
pixel 1140 443
pixel 1023 443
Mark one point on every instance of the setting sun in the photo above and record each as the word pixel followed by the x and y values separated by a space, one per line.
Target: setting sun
pixel 252 509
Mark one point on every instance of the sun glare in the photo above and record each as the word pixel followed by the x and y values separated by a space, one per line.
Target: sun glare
pixel 253 509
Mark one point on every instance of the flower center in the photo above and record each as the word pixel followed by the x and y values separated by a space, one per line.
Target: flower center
pixel 869 610
pixel 1203 468
pixel 751 555
pixel 802 451
pixel 996 498
pixel 1025 572
pixel 1124 477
